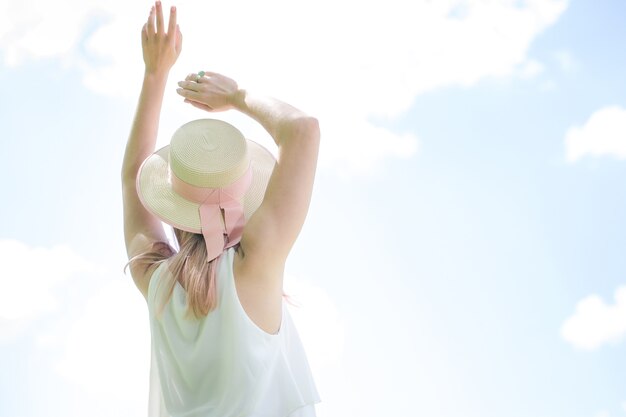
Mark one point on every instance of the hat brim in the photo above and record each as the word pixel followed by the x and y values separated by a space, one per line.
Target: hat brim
pixel 154 188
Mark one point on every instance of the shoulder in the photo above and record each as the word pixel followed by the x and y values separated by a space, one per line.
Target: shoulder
pixel 143 266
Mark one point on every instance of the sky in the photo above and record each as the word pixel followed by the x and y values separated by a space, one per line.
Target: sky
pixel 464 253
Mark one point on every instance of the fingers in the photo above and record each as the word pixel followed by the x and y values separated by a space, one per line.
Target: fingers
pixel 197 78
pixel 179 39
pixel 189 85
pixel 172 29
pixel 150 23
pixel 159 17
pixel 192 95
pixel 194 77
pixel 156 14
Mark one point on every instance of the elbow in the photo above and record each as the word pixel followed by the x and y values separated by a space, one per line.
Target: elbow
pixel 129 174
pixel 297 130
pixel 307 127
pixel 313 125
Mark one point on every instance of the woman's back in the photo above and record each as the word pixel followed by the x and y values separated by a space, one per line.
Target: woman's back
pixel 262 303
pixel 224 364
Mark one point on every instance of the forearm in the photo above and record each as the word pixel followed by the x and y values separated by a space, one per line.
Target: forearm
pixel 143 134
pixel 278 118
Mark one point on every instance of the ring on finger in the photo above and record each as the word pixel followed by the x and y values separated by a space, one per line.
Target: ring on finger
pixel 200 75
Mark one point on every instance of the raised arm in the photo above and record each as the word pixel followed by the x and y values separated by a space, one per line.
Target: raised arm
pixel 160 51
pixel 271 232
pixel 273 229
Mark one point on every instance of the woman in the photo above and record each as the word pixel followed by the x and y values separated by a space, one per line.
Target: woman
pixel 223 343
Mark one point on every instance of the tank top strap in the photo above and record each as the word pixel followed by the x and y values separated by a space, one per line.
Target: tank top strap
pixel 153 285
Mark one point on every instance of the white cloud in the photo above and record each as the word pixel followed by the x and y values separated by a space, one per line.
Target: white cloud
pixel 341 61
pixel 106 350
pixel 531 69
pixel 29 279
pixel 603 134
pixel 317 320
pixel 566 61
pixel 595 323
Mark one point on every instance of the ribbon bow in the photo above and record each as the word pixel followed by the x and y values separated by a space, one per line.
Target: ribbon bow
pixel 218 235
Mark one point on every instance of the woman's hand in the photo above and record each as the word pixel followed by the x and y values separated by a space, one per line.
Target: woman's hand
pixel 211 92
pixel 160 49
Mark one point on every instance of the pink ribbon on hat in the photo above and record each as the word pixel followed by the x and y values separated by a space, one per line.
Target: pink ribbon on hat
pixel 218 235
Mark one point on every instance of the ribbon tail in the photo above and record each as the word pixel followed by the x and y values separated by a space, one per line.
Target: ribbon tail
pixel 235 221
pixel 210 219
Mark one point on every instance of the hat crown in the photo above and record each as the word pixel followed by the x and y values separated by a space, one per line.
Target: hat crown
pixel 208 153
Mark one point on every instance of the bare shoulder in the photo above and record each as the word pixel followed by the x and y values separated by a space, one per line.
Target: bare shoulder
pixel 143 277
pixel 142 272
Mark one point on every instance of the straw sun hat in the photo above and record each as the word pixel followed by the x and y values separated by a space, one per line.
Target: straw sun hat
pixel 207 170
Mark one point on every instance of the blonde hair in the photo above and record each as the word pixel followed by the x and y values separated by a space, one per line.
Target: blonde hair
pixel 188 266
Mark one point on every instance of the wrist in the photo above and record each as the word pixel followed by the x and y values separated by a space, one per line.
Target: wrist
pixel 238 100
pixel 159 76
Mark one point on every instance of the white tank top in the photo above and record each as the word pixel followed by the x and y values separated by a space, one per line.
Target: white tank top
pixel 224 365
